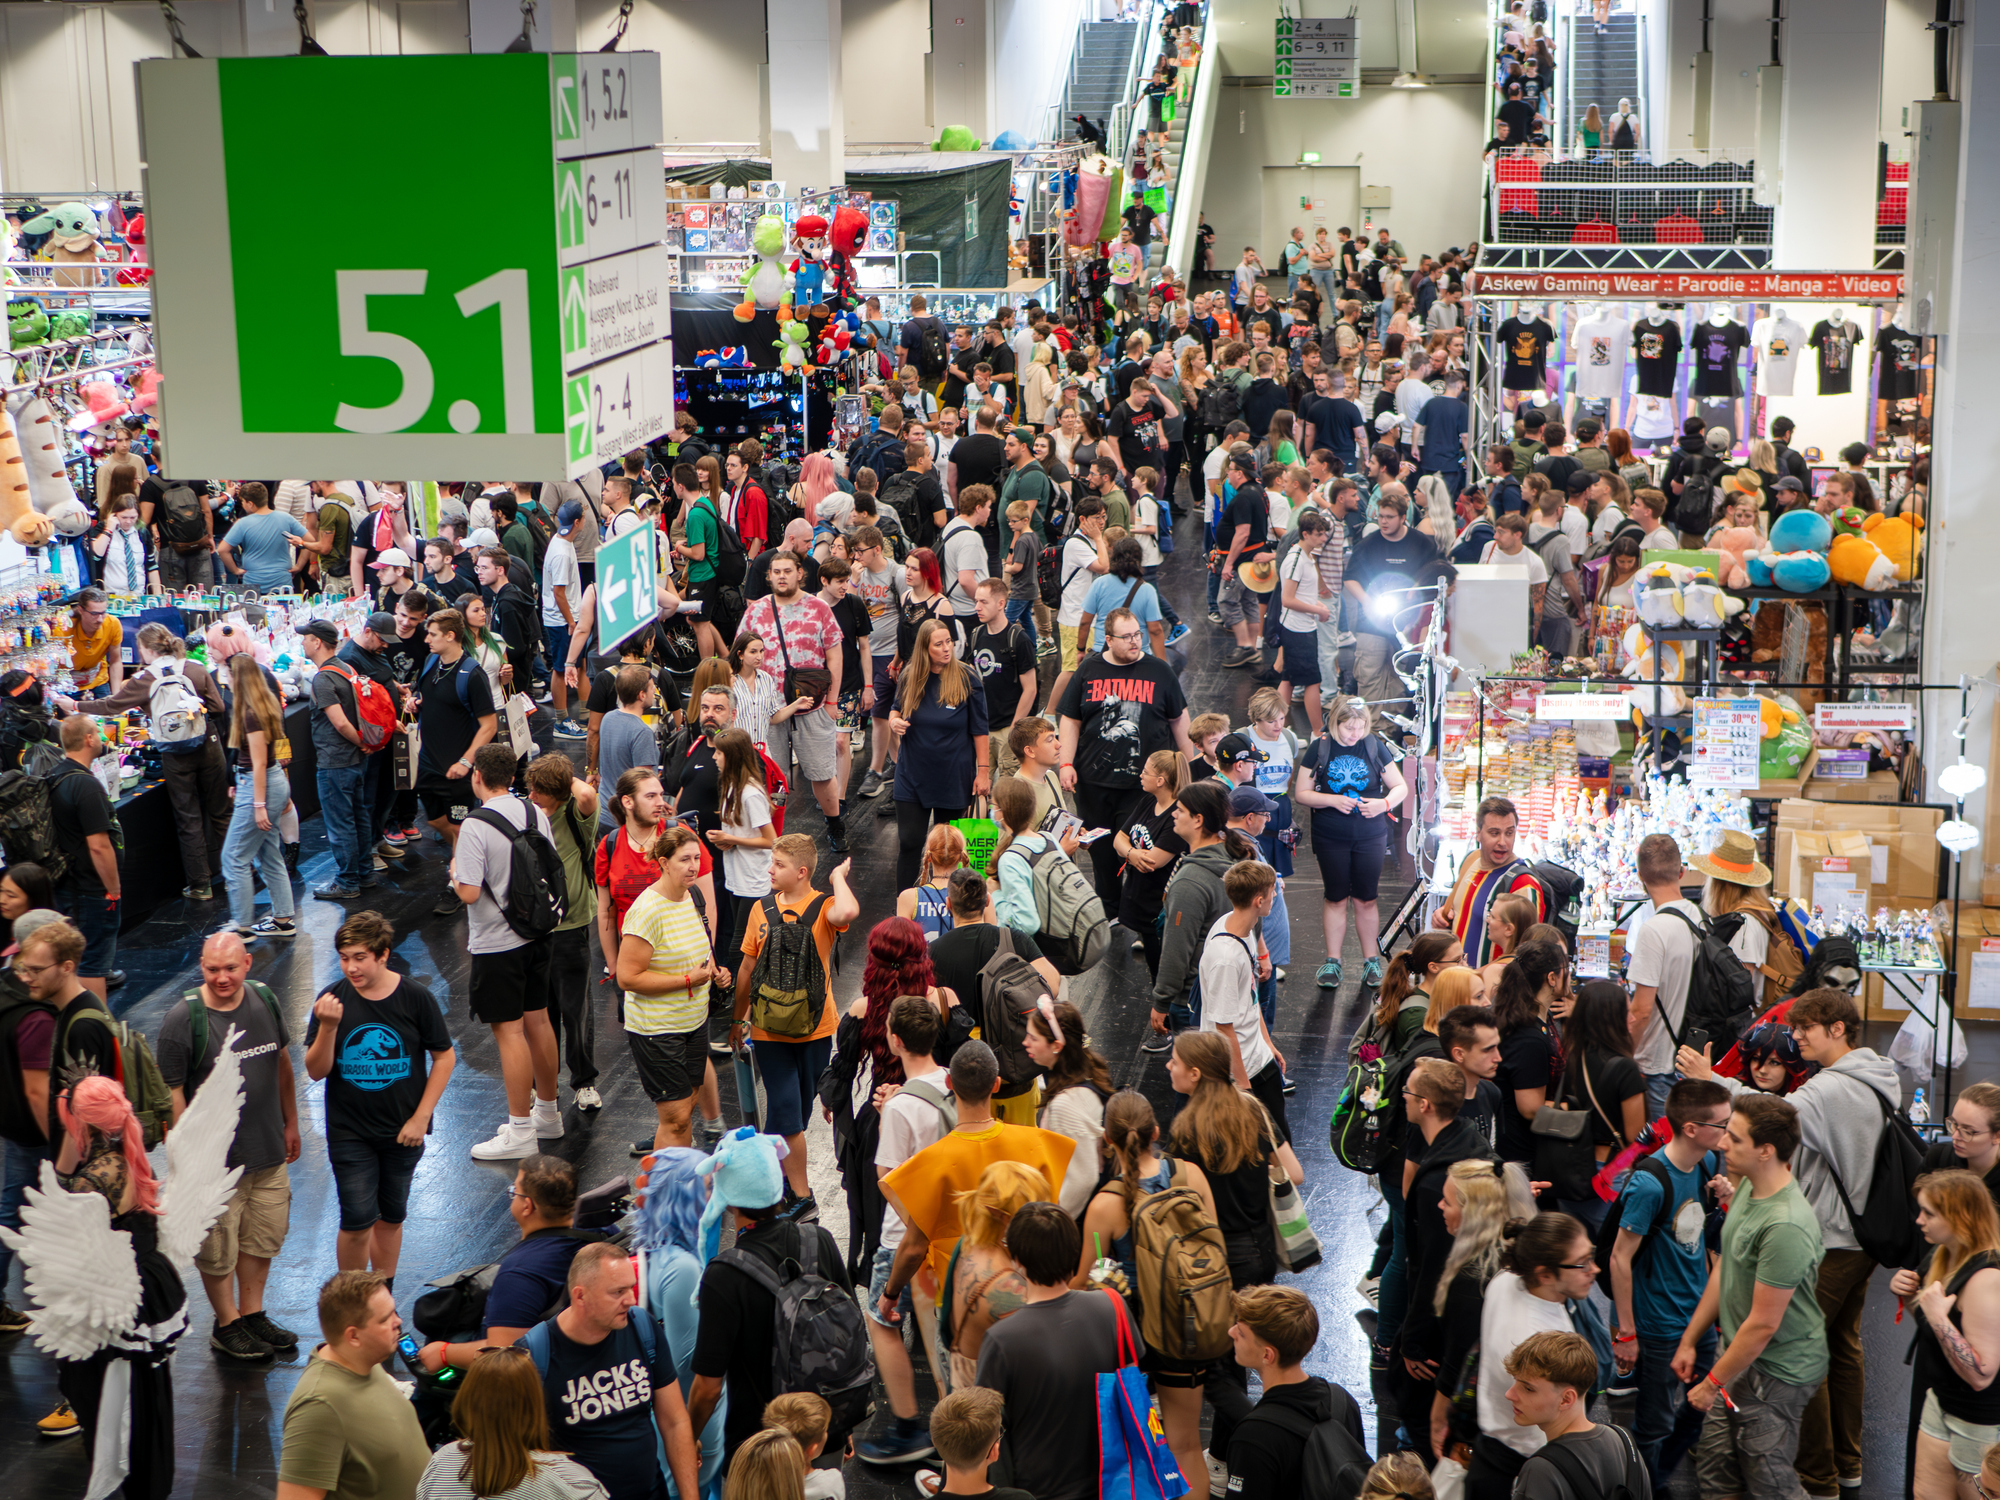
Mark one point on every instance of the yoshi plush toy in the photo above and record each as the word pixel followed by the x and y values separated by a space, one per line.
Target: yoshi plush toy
pixel 764 287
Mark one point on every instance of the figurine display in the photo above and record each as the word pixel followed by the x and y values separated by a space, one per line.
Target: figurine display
pixel 1906 942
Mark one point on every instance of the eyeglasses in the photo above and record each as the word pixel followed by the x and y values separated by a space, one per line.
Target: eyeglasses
pixel 1128 635
pixel 1589 1262
pixel 1705 1125
pixel 1979 1484
pixel 1964 1132
pixel 31 971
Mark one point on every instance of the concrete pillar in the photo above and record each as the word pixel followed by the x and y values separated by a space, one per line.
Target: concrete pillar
pixel 1828 136
pixel 804 102
pixel 1960 635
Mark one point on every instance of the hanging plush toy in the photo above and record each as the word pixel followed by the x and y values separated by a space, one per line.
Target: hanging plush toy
pixel 27 323
pixel 72 231
pixel 728 357
pixel 764 287
pixel 833 343
pixel 850 231
pixel 809 268
pixel 37 499
pixel 138 273
pixel 791 344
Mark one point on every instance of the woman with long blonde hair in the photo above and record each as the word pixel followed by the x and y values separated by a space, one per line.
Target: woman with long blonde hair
pixel 257 734
pixel 1590 134
pixel 1131 1150
pixel 1957 1301
pixel 769 1466
pixel 1013 856
pixel 983 1285
pixel 942 762
pixel 503 1451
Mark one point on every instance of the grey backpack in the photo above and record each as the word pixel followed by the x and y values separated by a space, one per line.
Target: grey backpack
pixel 819 1342
pixel 1074 934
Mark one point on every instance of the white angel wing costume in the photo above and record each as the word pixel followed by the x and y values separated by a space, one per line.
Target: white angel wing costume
pixel 80 1272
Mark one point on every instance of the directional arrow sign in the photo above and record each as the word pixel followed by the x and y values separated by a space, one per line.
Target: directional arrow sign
pixel 1284 89
pixel 1284 70
pixel 1284 27
pixel 625 586
pixel 570 225
pixel 614 305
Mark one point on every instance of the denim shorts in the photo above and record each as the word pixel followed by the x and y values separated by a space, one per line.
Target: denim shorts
pixel 1969 1440
pixel 878 1283
pixel 555 639
pixel 373 1180
pixel 790 1071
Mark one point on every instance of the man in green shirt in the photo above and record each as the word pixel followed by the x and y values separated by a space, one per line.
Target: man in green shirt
pixel 715 626
pixel 1774 1354
pixel 350 1433
pixel 1027 480
pixel 1104 484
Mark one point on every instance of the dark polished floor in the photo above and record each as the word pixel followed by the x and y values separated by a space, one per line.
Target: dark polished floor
pixel 228 1416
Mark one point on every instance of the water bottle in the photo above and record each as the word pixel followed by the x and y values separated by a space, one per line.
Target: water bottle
pixel 1920 1111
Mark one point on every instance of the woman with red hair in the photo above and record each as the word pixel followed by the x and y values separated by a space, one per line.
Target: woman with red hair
pixel 899 963
pixel 129 1382
pixel 924 601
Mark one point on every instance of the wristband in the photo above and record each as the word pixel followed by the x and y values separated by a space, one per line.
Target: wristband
pixel 1624 1338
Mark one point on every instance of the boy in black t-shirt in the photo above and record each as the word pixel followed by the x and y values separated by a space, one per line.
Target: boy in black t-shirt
pixel 1003 655
pixel 965 1430
pixel 1275 1329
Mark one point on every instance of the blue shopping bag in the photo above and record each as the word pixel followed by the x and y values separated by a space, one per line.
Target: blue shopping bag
pixel 1133 1462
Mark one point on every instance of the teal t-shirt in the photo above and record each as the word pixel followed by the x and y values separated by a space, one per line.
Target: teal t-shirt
pixel 258 540
pixel 1776 1241
pixel 704 531
pixel 1671 1272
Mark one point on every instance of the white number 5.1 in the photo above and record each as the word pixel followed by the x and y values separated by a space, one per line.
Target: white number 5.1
pixel 507 290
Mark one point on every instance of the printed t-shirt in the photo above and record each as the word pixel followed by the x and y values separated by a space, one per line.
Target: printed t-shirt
pixel 1601 345
pixel 1675 1274
pixel 680 944
pixel 600 1405
pixel 380 1059
pixel 1145 828
pixel 1525 343
pixel 1000 659
pixel 1126 712
pixel 881 593
pixel 1716 351
pixel 930 1183
pixel 1656 349
pixel 825 935
pixel 1834 344
pixel 260 1129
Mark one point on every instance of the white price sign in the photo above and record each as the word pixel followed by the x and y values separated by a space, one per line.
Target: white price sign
pixel 605 101
pixel 617 406
pixel 1854 718
pixel 1578 708
pixel 1728 739
pixel 609 204
pixel 615 305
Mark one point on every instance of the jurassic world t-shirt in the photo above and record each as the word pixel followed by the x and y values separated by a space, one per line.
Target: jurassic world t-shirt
pixel 381 1059
pixel 1656 349
pixel 1526 346
pixel 1834 344
pixel 1901 356
pixel 1127 711
pixel 600 1405
pixel 1716 351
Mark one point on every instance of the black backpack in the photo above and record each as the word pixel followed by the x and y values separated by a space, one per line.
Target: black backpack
pixel 541 531
pixel 1693 510
pixel 932 356
pixel 1606 1236
pixel 1622 138
pixel 1833 963
pixel 1562 898
pixel 1335 1464
pixel 779 512
pixel 1885 1228
pixel 1720 998
pixel 180 519
pixel 732 562
pixel 1634 1486
pixel 537 892
pixel 819 1342
pixel 1221 404
pixel 27 823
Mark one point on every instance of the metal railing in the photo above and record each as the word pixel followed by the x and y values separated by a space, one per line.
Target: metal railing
pixel 1623 198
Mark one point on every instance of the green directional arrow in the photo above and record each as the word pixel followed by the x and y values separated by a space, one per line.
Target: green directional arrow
pixel 1284 49
pixel 1284 69
pixel 1282 89
pixel 1347 91
pixel 575 308
pixel 1284 27
pixel 576 416
pixel 569 206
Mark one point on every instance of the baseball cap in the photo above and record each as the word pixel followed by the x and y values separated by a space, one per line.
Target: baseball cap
pixel 392 557
pixel 324 630
pixel 1237 750
pixel 383 624
pixel 1791 484
pixel 1245 800
pixel 567 515
pixel 451 508
pixel 1582 480
pixel 485 536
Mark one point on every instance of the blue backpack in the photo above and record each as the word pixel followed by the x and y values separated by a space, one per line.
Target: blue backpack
pixel 536 1340
pixel 459 679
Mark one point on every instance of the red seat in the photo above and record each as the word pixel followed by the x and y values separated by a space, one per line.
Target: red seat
pixel 1894 207
pixel 1596 232
pixel 1517 169
pixel 1677 229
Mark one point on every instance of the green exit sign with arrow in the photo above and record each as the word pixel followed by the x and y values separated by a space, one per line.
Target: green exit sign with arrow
pixel 322 305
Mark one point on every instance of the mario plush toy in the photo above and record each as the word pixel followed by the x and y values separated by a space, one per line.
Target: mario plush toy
pixel 809 269
pixel 850 232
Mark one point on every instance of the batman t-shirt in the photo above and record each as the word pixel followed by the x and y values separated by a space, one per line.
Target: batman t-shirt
pixel 1656 350
pixel 1348 771
pixel 1901 356
pixel 1525 344
pixel 1834 343
pixel 1716 351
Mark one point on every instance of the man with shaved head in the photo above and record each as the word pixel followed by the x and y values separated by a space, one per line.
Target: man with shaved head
pixel 235 1259
pixel 797 540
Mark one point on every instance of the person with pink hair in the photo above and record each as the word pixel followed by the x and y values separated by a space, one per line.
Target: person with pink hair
pixel 129 1382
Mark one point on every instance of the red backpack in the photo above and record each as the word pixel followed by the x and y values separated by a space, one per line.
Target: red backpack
pixel 375 714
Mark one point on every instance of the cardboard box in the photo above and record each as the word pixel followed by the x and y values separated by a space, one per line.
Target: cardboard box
pixel 1876 786
pixel 1904 839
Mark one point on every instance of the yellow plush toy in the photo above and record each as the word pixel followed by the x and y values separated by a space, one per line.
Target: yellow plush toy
pixel 1859 563
pixel 1900 539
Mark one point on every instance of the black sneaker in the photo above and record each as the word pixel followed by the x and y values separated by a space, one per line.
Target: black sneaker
pixel 903 1441
pixel 335 891
pixel 276 1335
pixel 644 1148
pixel 801 1210
pixel 448 905
pixel 1155 1042
pixel 238 1342
pixel 12 1319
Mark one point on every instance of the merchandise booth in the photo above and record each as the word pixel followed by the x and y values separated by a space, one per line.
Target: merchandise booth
pixel 1767 682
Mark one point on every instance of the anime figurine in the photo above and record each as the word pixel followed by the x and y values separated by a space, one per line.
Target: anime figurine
pixel 808 270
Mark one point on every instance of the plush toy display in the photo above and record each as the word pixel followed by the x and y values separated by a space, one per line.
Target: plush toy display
pixel 1787 737
pixel 137 273
pixel 1703 604
pixel 1801 531
pixel 764 286
pixel 72 231
pixel 1795 560
pixel 835 338
pixel 1656 595
pixel 955 138
pixel 1859 563
pixel 1639 648
pixel 1737 544
pixel 43 501
pixel 728 357
pixel 849 233
pixel 1901 539
pixel 809 268
pixel 791 344
pixel 1847 521
pixel 27 323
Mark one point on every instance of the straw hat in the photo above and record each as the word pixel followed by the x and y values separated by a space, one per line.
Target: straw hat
pixel 1734 859
pixel 1259 576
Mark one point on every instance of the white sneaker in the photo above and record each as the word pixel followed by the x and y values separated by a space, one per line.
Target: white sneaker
pixel 548 1122
pixel 509 1141
pixel 1370 1288
pixel 587 1097
pixel 1218 1476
